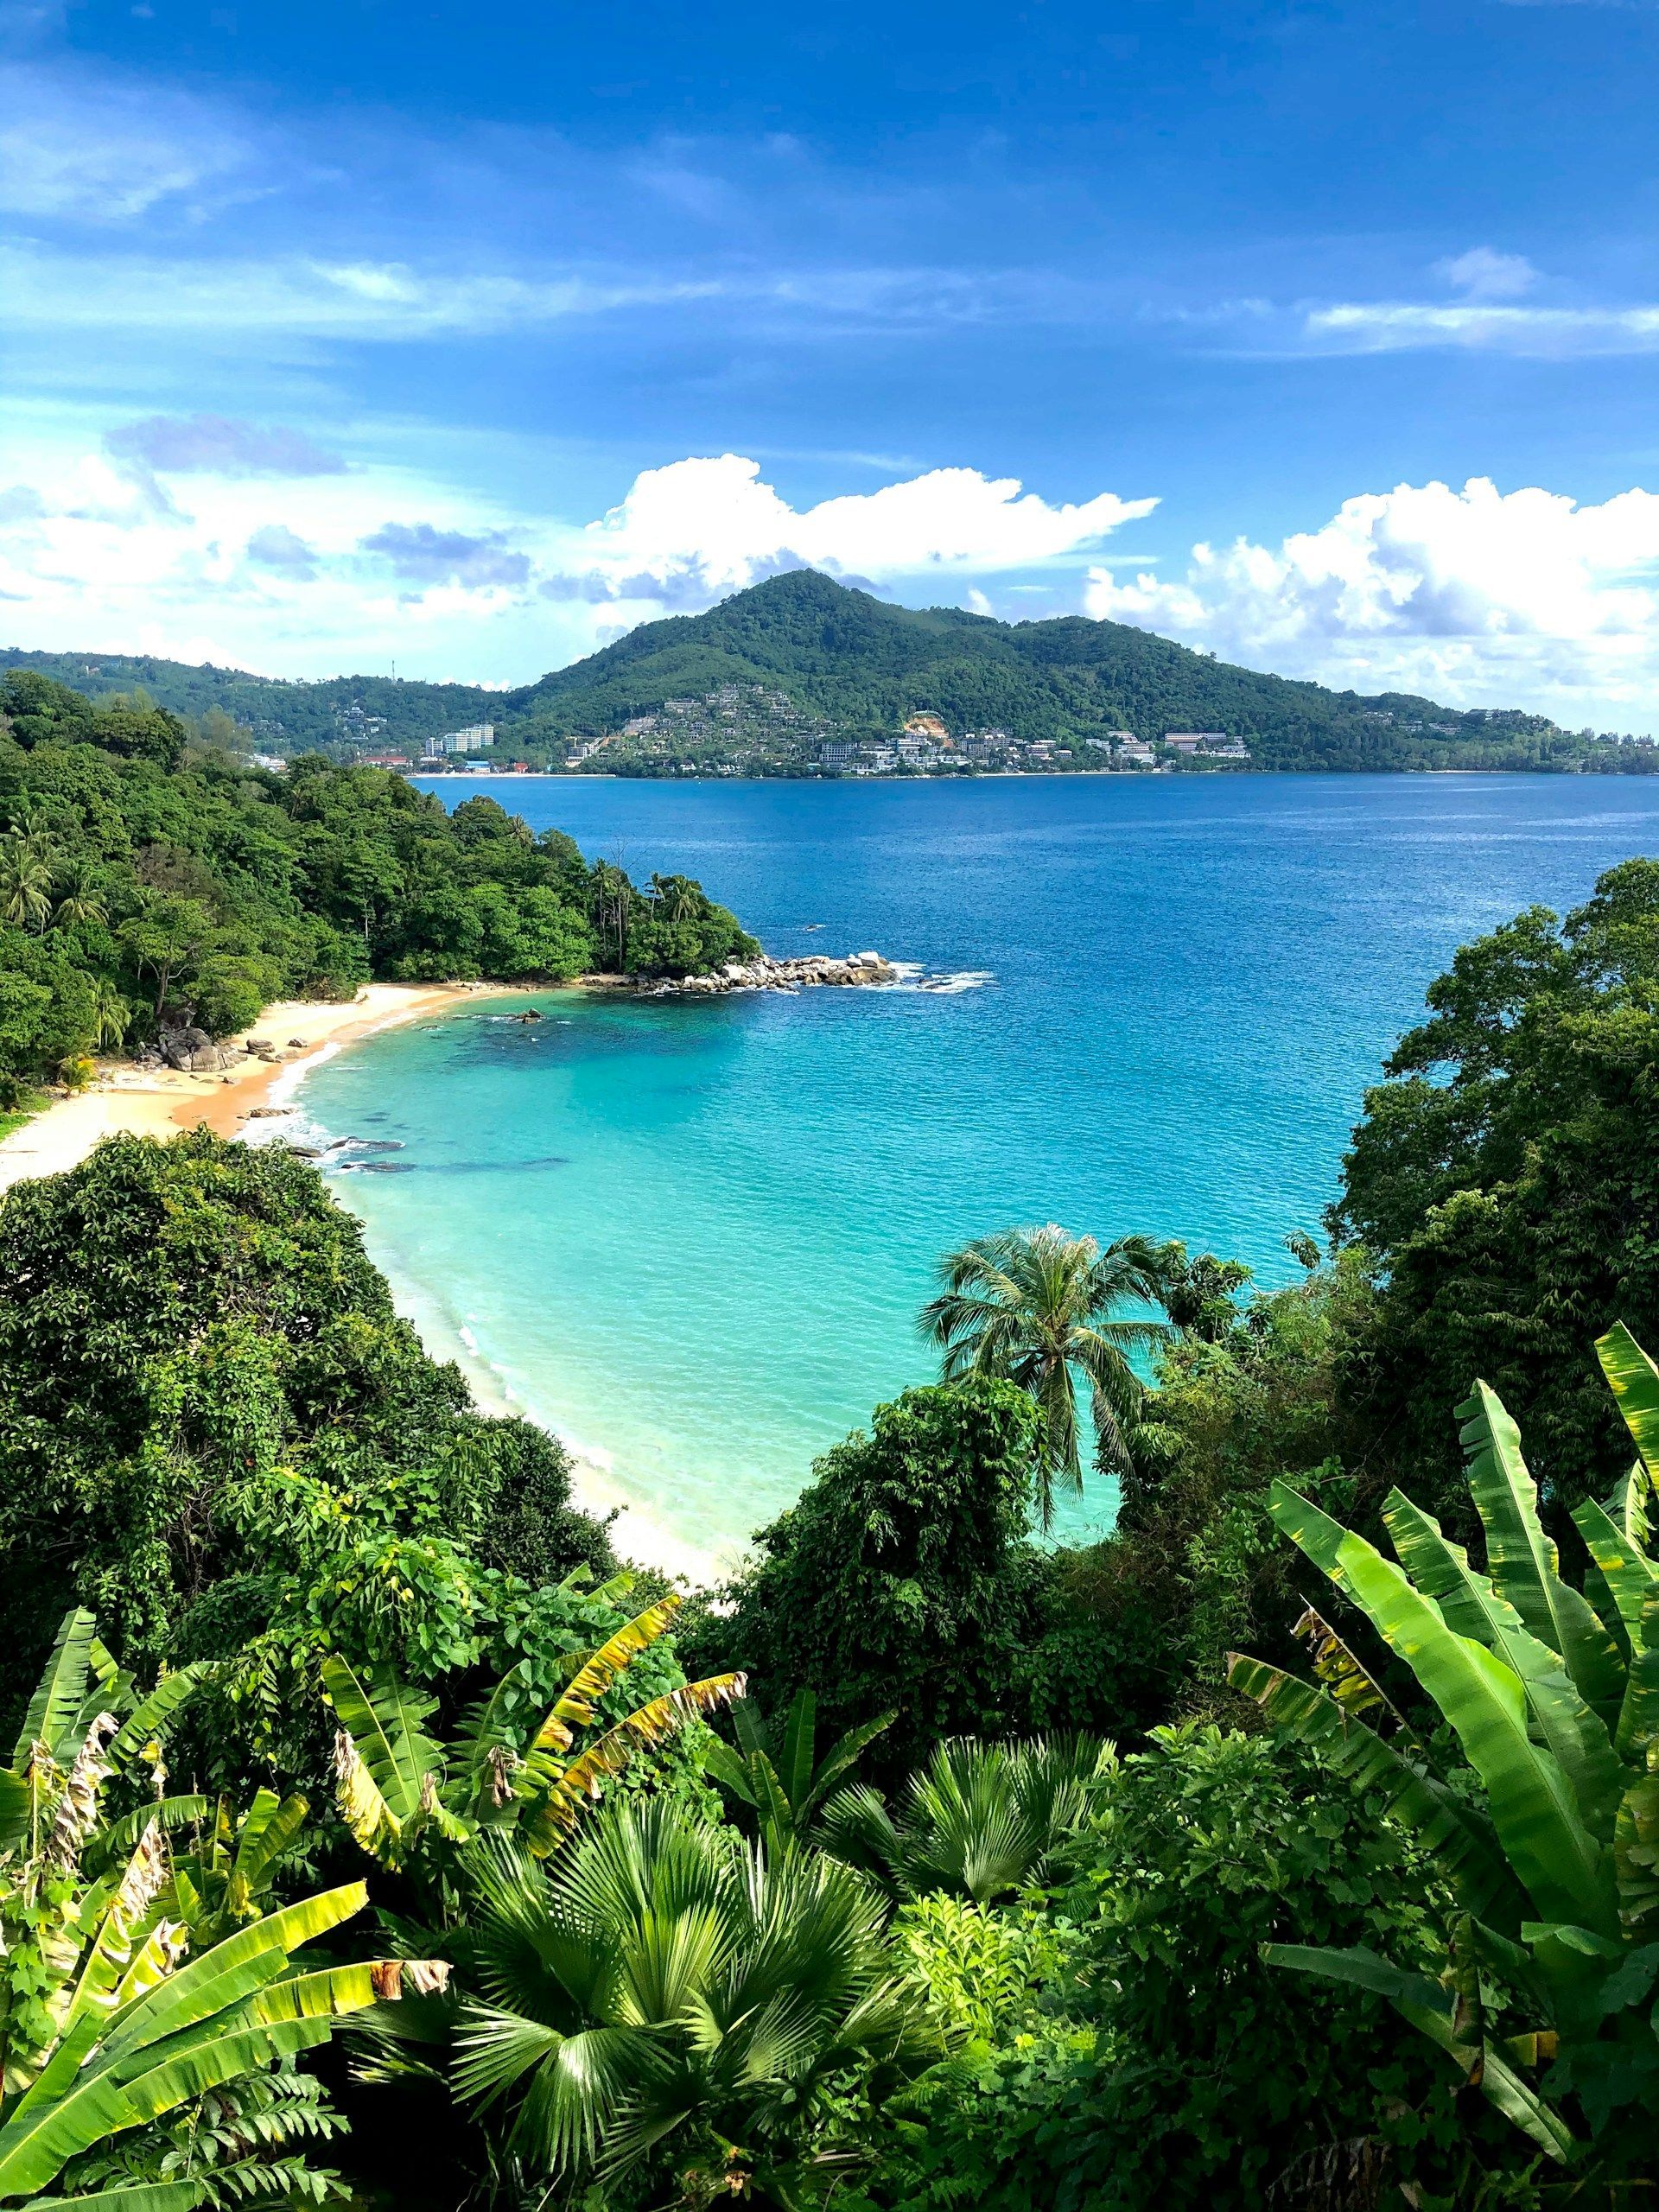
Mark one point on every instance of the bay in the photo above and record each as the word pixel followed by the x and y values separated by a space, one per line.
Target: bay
pixel 692 1237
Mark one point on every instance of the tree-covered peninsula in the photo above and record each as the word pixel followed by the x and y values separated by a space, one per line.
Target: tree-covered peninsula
pixel 1295 1847
pixel 143 873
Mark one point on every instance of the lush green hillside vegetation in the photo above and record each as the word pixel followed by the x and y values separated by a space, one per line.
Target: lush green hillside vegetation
pixel 277 715
pixel 143 877
pixel 999 1881
pixel 768 676
pixel 864 665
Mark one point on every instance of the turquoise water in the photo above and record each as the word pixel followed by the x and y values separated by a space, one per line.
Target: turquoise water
pixel 693 1237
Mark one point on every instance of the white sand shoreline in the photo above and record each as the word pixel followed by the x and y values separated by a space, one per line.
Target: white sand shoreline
pixel 160 1102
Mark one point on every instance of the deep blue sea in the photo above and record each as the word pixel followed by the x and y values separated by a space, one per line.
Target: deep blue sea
pixel 693 1237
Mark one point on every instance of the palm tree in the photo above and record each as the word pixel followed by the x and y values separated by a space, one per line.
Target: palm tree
pixel 78 897
pixel 979 1821
pixel 1044 1309
pixel 661 1978
pixel 111 1013
pixel 25 882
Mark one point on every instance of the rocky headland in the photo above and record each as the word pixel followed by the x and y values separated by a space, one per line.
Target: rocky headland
pixel 765 974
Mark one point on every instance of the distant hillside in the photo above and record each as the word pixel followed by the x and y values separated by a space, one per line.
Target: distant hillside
pixel 863 665
pixel 284 717
pixel 762 682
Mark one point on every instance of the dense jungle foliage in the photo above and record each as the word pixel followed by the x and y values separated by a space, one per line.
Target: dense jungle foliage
pixel 863 665
pixel 928 1863
pixel 143 877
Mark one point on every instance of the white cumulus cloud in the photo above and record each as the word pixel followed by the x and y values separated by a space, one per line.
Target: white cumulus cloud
pixel 1483 597
pixel 299 570
pixel 699 528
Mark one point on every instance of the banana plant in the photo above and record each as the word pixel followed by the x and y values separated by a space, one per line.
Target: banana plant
pixel 399 1786
pixel 86 1714
pixel 1552 1694
pixel 117 2006
pixel 784 1791
pixel 147 2031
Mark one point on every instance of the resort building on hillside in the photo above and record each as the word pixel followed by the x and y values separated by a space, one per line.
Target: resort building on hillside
pixel 471 739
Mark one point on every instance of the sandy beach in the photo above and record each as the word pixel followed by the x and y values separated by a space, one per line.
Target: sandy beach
pixel 159 1101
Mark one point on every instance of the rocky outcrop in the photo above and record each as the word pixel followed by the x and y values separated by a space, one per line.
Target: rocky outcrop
pixel 765 974
pixel 194 1051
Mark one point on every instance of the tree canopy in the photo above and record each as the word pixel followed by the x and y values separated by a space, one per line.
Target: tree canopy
pixel 141 876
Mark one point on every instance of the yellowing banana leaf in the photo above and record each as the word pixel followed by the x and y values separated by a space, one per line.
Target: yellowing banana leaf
pixel 548 1821
pixel 1634 1381
pixel 233 1968
pixel 125 1922
pixel 575 1708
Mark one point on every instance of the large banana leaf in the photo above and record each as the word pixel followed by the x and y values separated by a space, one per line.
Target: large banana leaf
pixel 1620 1558
pixel 1634 1381
pixel 1638 1718
pixel 1543 1835
pixel 1463 1842
pixel 575 1708
pixel 152 1713
pixel 55 1709
pixel 1578 1737
pixel 795 1761
pixel 1428 2006
pixel 839 1761
pixel 130 2196
pixel 397 1765
pixel 1522 1561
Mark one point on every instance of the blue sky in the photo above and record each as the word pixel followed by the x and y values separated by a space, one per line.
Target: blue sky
pixel 1321 336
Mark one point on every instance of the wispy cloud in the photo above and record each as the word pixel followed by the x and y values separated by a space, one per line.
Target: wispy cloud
pixel 1394 326
pixel 215 445
pixel 108 152
pixel 1484 273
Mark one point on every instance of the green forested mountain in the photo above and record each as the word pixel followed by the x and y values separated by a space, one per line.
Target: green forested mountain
pixel 283 717
pixel 864 665
pixel 800 658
